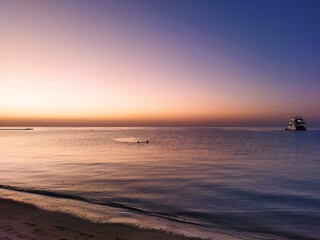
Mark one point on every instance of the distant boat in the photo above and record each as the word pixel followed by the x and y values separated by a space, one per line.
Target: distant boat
pixel 16 129
pixel 297 124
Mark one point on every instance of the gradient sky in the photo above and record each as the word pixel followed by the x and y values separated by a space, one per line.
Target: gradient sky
pixel 206 63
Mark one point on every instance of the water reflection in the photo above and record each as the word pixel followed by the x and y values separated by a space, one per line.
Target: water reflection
pixel 246 181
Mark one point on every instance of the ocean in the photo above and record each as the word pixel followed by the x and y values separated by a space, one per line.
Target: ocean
pixel 224 183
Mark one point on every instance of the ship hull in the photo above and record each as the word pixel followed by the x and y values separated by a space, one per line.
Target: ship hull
pixel 296 128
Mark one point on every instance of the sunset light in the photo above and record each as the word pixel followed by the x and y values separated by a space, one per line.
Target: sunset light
pixel 159 119
pixel 112 61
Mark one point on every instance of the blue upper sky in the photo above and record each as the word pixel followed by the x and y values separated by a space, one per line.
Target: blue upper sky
pixel 202 60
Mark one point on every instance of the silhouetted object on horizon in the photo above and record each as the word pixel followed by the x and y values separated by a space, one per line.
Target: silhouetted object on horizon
pixel 143 142
pixel 22 129
pixel 297 124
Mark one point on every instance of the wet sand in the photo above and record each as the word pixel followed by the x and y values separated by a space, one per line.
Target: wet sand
pixel 24 221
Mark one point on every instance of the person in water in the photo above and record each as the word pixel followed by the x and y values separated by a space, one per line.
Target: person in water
pixel 143 142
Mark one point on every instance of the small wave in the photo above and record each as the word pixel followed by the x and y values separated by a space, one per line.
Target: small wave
pixel 224 221
pixel 98 202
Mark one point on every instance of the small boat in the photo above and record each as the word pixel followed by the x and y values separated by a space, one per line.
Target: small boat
pixel 16 129
pixel 297 124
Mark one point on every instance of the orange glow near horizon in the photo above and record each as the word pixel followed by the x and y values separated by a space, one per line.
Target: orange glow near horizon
pixel 95 68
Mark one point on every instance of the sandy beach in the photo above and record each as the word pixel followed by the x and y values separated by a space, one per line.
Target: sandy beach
pixel 24 221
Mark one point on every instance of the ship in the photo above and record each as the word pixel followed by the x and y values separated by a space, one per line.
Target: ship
pixel 297 124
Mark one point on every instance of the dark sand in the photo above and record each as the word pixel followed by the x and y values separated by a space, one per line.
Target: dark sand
pixel 24 221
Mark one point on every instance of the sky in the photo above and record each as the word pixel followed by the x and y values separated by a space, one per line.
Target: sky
pixel 159 62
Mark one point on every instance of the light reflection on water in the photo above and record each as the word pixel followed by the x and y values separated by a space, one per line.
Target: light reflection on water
pixel 250 182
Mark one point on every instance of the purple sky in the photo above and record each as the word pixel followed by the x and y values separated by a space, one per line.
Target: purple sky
pixel 159 62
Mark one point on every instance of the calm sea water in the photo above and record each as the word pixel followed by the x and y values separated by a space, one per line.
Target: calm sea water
pixel 247 183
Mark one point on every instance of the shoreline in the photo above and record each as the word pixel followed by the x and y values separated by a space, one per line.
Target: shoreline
pixel 25 221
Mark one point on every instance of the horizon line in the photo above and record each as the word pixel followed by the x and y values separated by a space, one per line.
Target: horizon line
pixel 239 121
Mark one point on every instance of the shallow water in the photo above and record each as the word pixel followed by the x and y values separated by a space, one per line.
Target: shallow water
pixel 253 183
